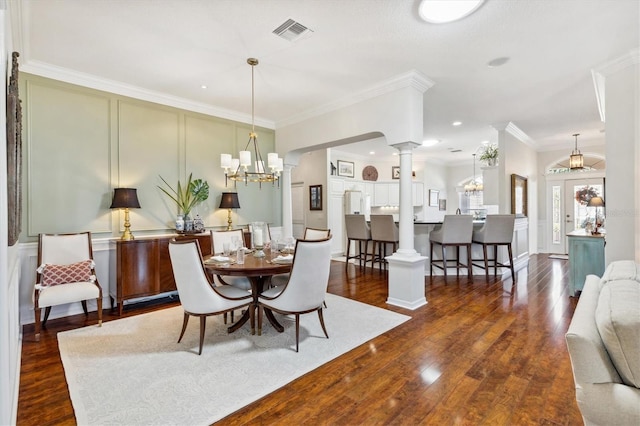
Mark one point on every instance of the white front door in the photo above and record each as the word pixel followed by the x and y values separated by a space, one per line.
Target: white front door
pixel 569 209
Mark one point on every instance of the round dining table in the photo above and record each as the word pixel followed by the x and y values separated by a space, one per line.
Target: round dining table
pixel 257 270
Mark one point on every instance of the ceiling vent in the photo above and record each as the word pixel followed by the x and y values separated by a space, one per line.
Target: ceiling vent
pixel 291 30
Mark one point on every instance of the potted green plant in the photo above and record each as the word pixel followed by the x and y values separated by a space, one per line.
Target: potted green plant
pixel 187 196
pixel 490 155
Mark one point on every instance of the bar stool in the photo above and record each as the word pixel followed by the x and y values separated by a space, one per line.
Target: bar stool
pixel 384 232
pixel 358 230
pixel 496 231
pixel 456 231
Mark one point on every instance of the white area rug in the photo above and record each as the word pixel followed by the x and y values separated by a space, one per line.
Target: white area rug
pixel 132 371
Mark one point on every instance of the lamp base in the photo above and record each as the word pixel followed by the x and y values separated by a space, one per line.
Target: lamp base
pixel 127 235
pixel 229 227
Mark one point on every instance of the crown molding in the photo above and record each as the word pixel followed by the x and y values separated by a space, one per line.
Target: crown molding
pixel 93 82
pixel 600 74
pixel 515 131
pixel 414 79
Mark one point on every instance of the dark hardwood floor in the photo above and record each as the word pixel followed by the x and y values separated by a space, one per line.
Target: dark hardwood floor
pixel 478 353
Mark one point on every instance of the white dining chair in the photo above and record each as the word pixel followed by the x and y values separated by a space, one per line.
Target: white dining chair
pixel 218 238
pixel 198 295
pixel 305 292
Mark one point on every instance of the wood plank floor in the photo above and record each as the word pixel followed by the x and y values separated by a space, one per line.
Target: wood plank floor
pixel 478 353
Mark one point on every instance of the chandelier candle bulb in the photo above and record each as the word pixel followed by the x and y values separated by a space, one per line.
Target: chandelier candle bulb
pixel 272 160
pixel 225 161
pixel 245 158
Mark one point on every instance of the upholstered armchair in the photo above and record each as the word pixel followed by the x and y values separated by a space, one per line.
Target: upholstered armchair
pixel 66 274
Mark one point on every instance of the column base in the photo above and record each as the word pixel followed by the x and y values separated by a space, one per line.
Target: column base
pixel 406 280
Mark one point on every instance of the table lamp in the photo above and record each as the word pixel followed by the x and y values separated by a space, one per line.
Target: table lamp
pixel 596 202
pixel 125 198
pixel 229 200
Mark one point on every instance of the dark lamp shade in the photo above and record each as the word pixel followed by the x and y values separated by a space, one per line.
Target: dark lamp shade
pixel 595 202
pixel 229 200
pixel 125 198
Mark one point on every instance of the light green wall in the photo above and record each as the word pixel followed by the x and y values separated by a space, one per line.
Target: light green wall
pixel 80 143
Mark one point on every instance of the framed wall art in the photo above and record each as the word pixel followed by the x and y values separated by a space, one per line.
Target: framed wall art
pixel 14 156
pixel 315 197
pixel 395 172
pixel 518 195
pixel 345 168
pixel 442 205
pixel 433 198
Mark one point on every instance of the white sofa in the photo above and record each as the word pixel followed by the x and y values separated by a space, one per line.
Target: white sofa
pixel 604 344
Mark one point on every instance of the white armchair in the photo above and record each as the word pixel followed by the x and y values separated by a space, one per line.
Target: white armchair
pixel 66 274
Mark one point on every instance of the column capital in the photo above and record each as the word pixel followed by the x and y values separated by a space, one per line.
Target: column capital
pixel 406 146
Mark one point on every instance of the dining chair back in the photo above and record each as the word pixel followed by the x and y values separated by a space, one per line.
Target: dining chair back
pixel 456 231
pixel 66 274
pixel 316 234
pixel 218 238
pixel 198 296
pixel 385 235
pixel 305 292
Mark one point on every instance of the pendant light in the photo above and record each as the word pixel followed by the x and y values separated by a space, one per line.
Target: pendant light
pixel 237 169
pixel 576 159
pixel 474 186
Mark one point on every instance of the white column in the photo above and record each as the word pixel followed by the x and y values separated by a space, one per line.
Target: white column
pixel 406 266
pixel 287 208
pixel 406 199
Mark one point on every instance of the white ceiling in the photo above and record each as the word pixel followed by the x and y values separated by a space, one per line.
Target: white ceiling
pixel 171 48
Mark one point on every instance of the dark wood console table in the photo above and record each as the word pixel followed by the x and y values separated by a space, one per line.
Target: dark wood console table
pixel 143 267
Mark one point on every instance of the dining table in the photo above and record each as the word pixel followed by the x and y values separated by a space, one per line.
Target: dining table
pixel 258 270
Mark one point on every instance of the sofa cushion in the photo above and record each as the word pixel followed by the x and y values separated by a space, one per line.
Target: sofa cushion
pixel 618 321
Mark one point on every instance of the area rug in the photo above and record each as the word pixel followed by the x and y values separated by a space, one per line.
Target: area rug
pixel 132 371
pixel 559 256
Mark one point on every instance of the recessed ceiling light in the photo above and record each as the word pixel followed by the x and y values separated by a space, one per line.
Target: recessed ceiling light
pixel 204 86
pixel 456 123
pixel 430 142
pixel 443 11
pixel 372 152
pixel 485 142
pixel 497 62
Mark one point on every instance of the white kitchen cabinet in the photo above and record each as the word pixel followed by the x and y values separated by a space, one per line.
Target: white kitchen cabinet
pixel 418 194
pixel 380 195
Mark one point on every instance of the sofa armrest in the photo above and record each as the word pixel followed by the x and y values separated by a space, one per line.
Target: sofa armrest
pixel 589 358
pixel 609 404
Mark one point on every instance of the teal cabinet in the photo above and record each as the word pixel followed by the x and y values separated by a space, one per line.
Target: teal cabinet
pixel 586 256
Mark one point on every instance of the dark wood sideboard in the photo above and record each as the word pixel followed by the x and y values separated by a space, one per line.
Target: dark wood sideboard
pixel 143 267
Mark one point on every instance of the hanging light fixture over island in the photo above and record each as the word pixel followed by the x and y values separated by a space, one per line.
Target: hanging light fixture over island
pixel 237 169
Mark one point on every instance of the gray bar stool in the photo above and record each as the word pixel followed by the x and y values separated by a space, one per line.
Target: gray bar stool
pixel 384 232
pixel 456 231
pixel 358 230
pixel 496 231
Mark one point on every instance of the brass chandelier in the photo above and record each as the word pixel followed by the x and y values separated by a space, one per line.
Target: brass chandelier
pixel 474 186
pixel 237 169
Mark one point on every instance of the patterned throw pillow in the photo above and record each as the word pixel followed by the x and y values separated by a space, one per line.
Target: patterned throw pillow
pixel 63 274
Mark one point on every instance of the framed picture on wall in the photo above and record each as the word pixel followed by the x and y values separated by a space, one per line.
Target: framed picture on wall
pixel 345 168
pixel 315 197
pixel 14 156
pixel 433 198
pixel 518 195
pixel 395 172
pixel 442 205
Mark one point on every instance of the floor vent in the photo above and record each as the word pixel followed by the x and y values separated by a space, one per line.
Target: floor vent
pixel 291 30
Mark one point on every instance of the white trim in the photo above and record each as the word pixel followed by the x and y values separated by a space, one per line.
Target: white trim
pixel 600 74
pixel 86 80
pixel 414 79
